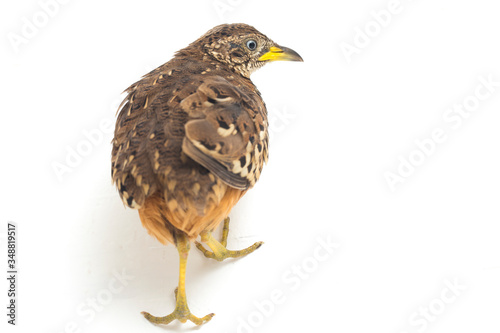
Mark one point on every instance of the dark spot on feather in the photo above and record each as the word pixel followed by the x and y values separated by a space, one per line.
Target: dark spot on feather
pixel 223 124
pixel 211 100
pixel 218 93
pixel 252 139
pixel 208 145
pixel 243 160
pixel 259 147
pixel 203 171
pixel 129 200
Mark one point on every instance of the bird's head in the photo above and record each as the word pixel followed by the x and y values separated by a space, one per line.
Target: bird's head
pixel 242 47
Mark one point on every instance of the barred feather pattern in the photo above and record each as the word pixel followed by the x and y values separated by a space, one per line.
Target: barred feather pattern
pixel 191 137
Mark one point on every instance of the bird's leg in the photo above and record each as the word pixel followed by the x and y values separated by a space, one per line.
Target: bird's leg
pixel 181 312
pixel 219 250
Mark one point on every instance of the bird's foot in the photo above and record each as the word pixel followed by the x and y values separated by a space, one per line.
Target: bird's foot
pixel 219 251
pixel 181 313
pixel 225 253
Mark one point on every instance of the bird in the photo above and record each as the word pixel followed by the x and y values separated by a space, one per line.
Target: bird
pixel 191 138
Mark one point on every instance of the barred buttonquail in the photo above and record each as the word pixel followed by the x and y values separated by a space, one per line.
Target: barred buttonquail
pixel 191 138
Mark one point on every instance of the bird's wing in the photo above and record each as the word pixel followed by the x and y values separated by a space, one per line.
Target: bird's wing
pixel 132 166
pixel 210 120
pixel 227 131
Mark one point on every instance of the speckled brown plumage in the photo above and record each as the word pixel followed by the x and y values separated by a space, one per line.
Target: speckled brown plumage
pixel 191 130
pixel 191 138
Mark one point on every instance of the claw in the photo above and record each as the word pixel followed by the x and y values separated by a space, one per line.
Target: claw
pixel 219 250
pixel 181 315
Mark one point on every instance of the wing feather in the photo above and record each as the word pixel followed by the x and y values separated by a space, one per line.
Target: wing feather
pixel 227 132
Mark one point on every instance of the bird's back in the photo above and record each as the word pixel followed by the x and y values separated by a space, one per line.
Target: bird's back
pixel 190 139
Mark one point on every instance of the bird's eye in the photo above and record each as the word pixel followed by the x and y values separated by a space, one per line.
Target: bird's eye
pixel 251 44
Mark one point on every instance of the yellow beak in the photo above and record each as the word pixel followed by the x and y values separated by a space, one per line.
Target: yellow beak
pixel 280 53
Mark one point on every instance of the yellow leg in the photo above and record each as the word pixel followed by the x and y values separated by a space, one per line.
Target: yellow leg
pixel 219 250
pixel 181 312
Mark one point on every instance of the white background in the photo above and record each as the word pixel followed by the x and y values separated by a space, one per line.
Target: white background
pixel 338 127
